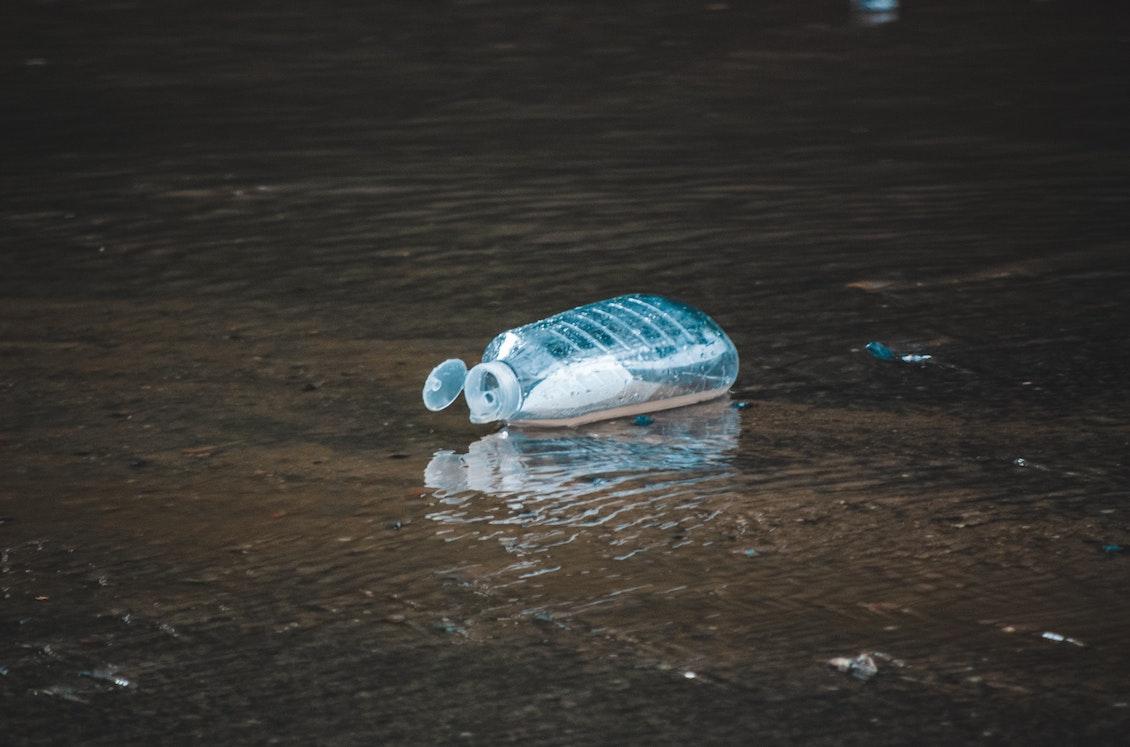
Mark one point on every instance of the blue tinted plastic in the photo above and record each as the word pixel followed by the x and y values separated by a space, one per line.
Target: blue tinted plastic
pixel 618 357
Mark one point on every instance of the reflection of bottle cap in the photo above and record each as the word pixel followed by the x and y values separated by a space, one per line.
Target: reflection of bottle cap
pixel 444 384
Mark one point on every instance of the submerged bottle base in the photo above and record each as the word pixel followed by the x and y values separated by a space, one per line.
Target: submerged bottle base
pixel 626 411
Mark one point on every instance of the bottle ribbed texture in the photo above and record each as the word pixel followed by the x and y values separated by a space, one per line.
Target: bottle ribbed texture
pixel 635 352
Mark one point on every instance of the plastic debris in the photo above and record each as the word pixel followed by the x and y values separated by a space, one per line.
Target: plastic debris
pixel 1060 638
pixel 882 352
pixel 1023 463
pixel 110 675
pixel 741 405
pixel 603 360
pixel 875 12
pixel 862 667
pixel 450 628
pixel 750 552
pixel 1113 549
pixel 877 5
pixel 643 420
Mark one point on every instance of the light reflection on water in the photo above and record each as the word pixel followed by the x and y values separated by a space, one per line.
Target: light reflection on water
pixel 538 489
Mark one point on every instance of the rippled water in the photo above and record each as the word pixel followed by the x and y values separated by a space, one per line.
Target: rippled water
pixel 637 489
pixel 236 236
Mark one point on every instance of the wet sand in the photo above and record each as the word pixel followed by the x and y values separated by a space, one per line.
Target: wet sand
pixel 236 239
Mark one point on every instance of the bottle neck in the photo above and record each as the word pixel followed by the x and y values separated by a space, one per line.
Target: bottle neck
pixel 492 392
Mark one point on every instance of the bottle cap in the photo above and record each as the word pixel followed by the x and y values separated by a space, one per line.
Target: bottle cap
pixel 444 384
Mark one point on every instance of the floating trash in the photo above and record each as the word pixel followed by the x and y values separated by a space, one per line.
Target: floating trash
pixel 862 667
pixel 874 12
pixel 109 675
pixel 881 352
pixel 449 627
pixel 1060 638
pixel 618 357
pixel 1023 463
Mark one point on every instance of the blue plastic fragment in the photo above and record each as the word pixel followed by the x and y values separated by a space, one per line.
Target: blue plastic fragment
pixel 880 351
pixel 877 6
pixel 447 626
pixel 643 420
pixel 750 552
pixel 884 353
pixel 741 405
pixel 1113 549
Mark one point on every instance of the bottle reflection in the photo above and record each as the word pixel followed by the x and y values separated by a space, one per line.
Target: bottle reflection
pixel 616 475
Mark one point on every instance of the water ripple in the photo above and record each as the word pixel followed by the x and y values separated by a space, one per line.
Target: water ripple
pixel 629 482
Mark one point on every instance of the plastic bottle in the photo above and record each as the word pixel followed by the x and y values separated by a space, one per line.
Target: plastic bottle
pixel 622 356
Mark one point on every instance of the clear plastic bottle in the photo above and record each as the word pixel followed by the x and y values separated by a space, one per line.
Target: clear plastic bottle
pixel 622 356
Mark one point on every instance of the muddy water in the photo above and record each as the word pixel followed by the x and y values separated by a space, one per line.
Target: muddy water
pixel 236 236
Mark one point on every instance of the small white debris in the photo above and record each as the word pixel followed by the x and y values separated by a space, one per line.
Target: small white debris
pixel 1023 463
pixel 1060 638
pixel 862 667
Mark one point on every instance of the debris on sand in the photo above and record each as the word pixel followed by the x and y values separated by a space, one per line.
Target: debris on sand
pixel 862 667
pixel 1060 638
pixel 882 352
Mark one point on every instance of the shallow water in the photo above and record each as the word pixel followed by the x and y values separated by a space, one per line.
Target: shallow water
pixel 236 237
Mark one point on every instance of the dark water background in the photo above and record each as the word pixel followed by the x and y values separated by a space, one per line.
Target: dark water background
pixel 235 236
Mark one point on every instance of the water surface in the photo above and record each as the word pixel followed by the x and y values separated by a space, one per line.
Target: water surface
pixel 236 237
